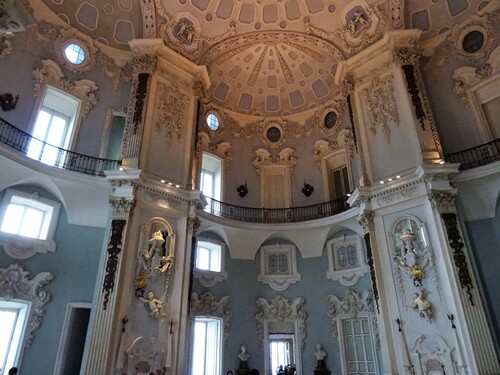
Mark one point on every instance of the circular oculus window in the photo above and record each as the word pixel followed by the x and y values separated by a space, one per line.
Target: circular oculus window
pixel 473 41
pixel 273 134
pixel 330 119
pixel 74 53
pixel 213 122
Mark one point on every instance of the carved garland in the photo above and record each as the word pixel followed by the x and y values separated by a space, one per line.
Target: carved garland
pixel 382 108
pixel 350 307
pixel 207 305
pixel 114 249
pixel 281 309
pixel 50 73
pixel 14 284
pixel 171 111
pixel 6 45
pixel 456 243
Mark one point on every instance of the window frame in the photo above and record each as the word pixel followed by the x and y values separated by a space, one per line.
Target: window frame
pixel 21 247
pixel 64 103
pixel 219 350
pixel 347 276
pixel 212 164
pixel 209 278
pixel 281 280
pixel 17 340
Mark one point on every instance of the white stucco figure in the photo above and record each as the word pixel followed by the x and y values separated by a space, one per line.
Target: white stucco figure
pixel 243 354
pixel 319 353
pixel 424 306
pixel 155 305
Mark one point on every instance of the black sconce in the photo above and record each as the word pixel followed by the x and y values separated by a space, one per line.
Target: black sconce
pixel 242 190
pixel 307 190
pixel 8 102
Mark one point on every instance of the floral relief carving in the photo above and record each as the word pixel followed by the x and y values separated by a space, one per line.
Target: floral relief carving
pixel 207 304
pixel 15 284
pixel 285 156
pixel 85 90
pixel 148 18
pixel 382 109
pixel 351 306
pixel 280 309
pixel 171 109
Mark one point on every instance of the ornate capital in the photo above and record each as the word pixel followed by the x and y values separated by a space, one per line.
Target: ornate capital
pixel 365 219
pixel 406 55
pixel 193 224
pixel 143 63
pixel 443 201
pixel 121 207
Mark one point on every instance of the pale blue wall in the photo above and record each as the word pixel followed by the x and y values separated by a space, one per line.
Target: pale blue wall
pixel 244 289
pixel 484 237
pixel 74 267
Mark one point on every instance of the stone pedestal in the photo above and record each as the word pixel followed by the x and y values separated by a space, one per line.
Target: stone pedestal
pixel 321 368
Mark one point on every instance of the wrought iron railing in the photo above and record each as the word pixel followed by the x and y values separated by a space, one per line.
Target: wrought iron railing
pixel 476 156
pixel 276 215
pixel 51 155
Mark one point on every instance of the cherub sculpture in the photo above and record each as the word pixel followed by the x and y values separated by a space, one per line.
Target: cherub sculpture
pixel 424 306
pixel 155 305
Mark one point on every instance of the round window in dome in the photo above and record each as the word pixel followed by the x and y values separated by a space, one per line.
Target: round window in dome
pixel 473 41
pixel 273 134
pixel 213 122
pixel 74 53
pixel 330 119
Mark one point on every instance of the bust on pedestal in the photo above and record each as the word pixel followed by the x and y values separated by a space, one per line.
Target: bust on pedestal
pixel 243 356
pixel 321 368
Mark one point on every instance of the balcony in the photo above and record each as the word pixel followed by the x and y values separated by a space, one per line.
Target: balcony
pixel 476 156
pixel 276 215
pixel 54 156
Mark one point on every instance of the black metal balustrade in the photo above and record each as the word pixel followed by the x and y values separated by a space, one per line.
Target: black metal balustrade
pixel 476 156
pixel 276 215
pixel 51 155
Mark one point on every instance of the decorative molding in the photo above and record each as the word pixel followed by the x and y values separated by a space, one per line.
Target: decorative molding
pixel 15 16
pixel 323 148
pixel 284 157
pixel 351 306
pixel 397 12
pixel 278 123
pixel 85 90
pixel 170 111
pixel 68 36
pixel 6 45
pixel 433 355
pixel 207 305
pixel 381 105
pixel 108 122
pixel 15 284
pixel 280 309
pixel 279 279
pixel 148 18
pixel 397 195
pixel 456 243
pixel 114 249
pixel 362 26
pixel 481 23
pixel 221 149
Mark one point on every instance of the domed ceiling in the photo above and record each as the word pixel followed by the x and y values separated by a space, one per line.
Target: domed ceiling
pixel 264 57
